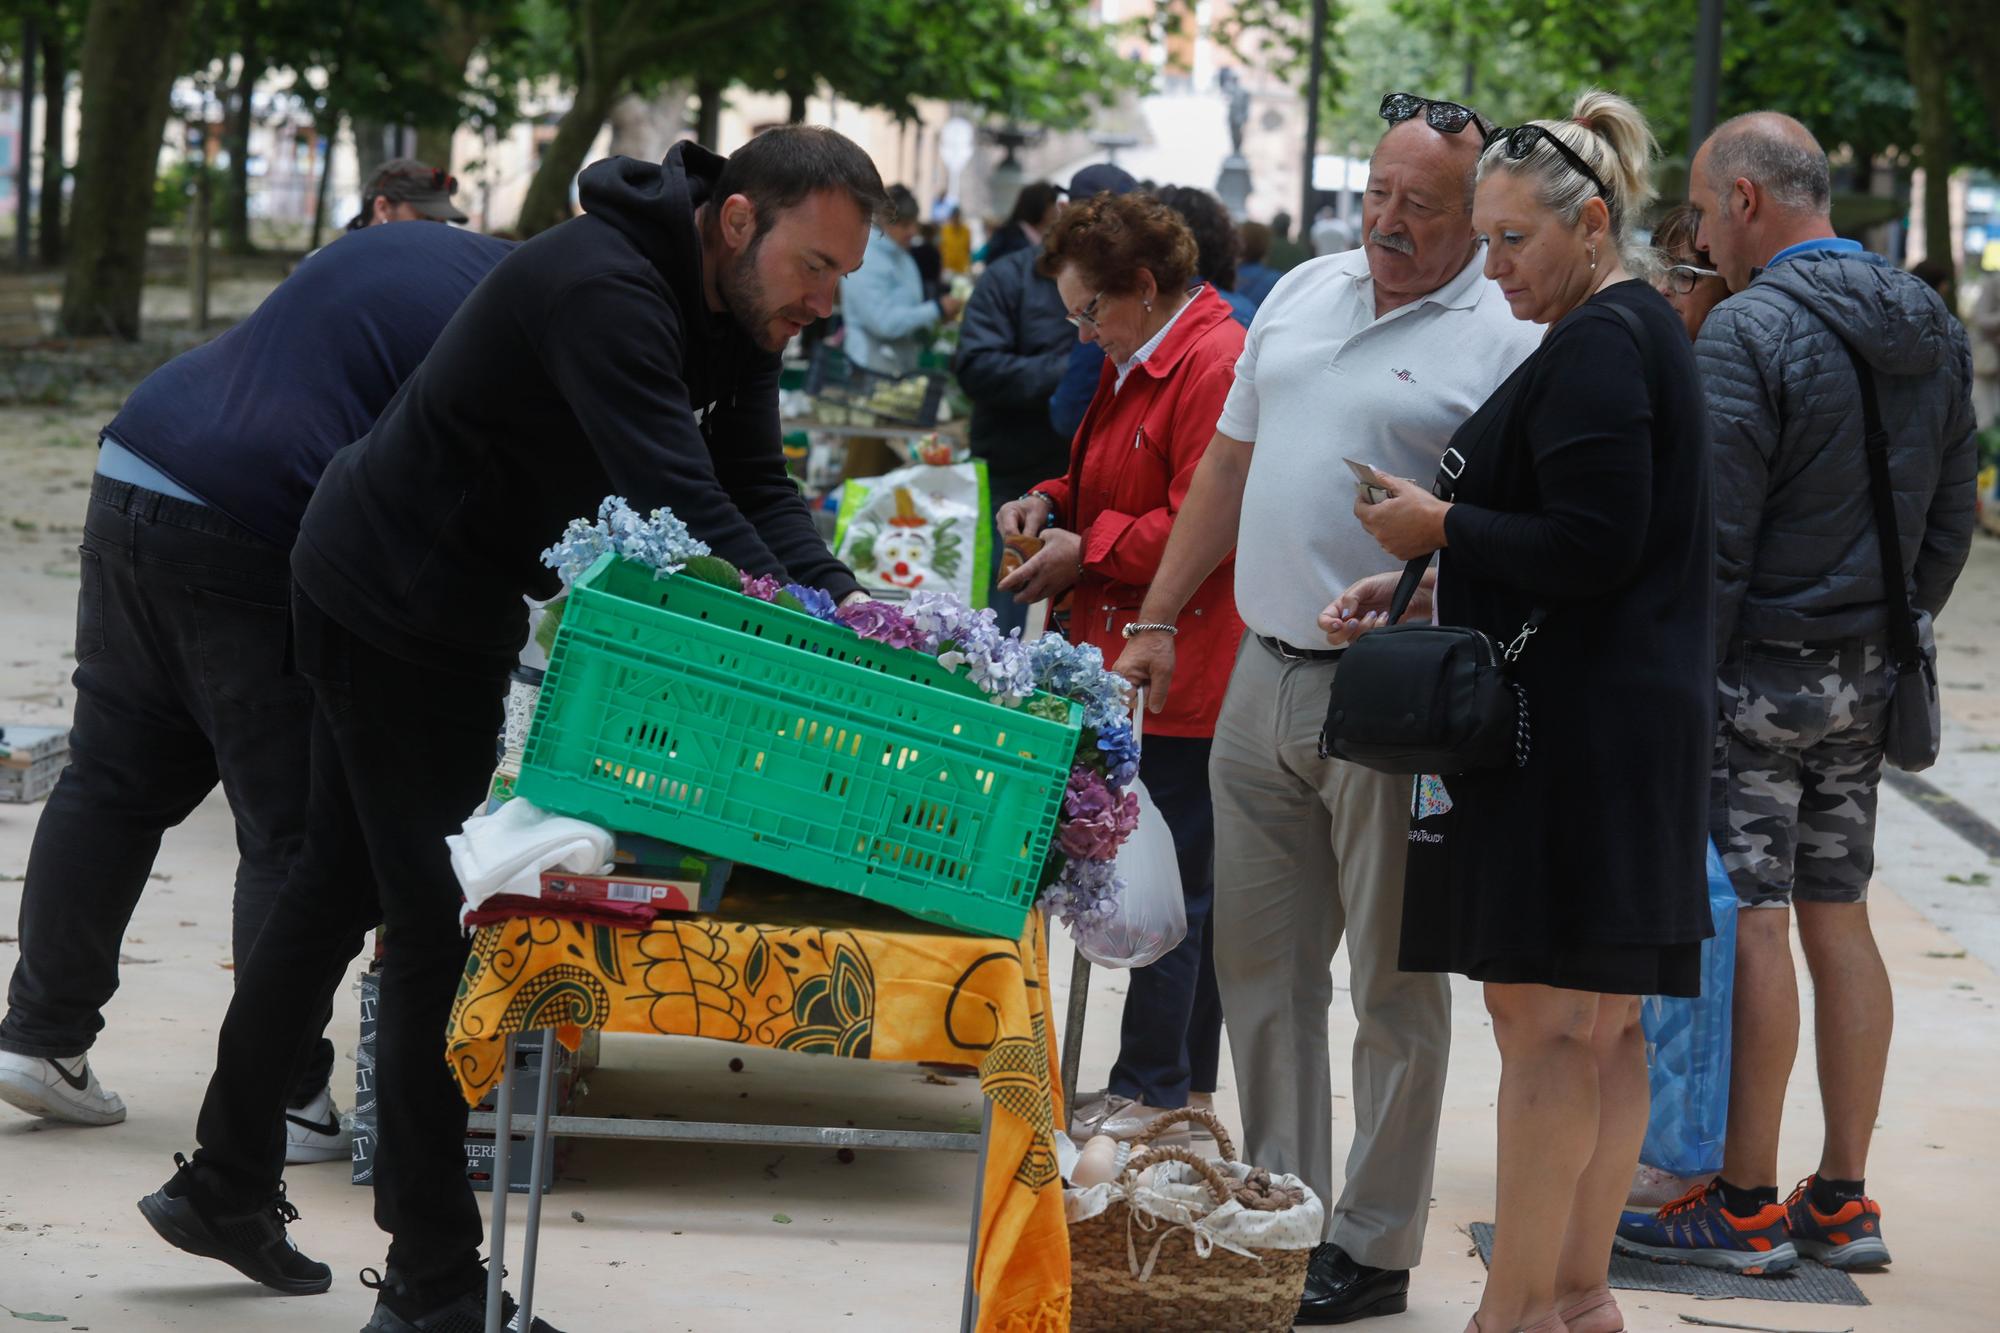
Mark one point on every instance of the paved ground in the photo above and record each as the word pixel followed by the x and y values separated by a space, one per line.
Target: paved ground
pixel 675 1238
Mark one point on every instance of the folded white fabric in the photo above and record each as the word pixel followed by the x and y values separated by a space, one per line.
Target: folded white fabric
pixel 507 851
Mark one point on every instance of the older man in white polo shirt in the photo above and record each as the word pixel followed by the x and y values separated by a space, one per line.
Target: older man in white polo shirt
pixel 1376 354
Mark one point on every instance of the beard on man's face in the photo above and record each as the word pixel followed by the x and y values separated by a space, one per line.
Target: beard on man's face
pixel 743 293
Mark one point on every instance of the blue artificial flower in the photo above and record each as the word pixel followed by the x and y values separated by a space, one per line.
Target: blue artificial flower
pixel 659 541
pixel 817 601
pixel 1084 893
pixel 1119 749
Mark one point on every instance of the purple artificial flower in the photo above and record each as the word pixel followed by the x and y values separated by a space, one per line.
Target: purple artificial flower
pixel 764 587
pixel 881 622
pixel 1095 820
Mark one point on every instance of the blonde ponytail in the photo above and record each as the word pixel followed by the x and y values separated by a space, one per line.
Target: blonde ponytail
pixel 1609 133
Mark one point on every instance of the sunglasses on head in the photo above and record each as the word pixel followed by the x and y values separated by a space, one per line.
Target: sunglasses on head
pixel 437 179
pixel 1521 141
pixel 1444 117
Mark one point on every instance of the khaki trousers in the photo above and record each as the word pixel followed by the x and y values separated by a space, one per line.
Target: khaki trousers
pixel 1306 850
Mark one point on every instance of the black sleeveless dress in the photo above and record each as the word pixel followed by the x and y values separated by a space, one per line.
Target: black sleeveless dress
pixel 1585 493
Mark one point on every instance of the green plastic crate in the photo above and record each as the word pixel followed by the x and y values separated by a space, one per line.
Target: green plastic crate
pixel 680 709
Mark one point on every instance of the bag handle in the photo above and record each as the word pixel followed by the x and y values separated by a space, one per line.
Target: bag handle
pixel 1153 1154
pixel 1450 467
pixel 1895 585
pixel 1188 1115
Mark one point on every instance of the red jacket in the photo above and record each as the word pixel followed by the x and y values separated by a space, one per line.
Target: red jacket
pixel 1130 467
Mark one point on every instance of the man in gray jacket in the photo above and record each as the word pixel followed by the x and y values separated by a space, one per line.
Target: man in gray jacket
pixel 1804 680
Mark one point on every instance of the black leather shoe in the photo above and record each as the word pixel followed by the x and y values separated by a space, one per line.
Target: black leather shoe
pixel 1340 1291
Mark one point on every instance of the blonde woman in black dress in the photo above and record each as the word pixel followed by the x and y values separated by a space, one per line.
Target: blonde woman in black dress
pixel 1573 885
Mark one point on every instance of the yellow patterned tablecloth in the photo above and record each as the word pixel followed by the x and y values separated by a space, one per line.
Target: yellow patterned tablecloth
pixel 797 969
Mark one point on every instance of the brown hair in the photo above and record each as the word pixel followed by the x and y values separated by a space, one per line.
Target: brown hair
pixel 1674 234
pixel 1255 238
pixel 1110 238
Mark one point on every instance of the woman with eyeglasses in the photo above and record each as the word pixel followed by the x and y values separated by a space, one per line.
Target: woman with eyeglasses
pixel 1687 275
pixel 1124 266
pixel 1571 882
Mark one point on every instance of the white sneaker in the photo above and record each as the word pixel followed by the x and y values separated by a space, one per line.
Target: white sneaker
pixel 314 1133
pixel 63 1090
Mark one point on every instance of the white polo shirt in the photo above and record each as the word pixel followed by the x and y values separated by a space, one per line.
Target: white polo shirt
pixel 1322 379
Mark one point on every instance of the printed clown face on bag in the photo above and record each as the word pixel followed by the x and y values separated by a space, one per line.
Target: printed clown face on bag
pixel 911 537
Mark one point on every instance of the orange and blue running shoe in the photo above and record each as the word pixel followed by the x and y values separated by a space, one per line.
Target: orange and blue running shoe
pixel 1697 1229
pixel 1850 1237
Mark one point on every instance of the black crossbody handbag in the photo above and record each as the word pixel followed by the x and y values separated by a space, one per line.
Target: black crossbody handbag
pixel 1914 732
pixel 1435 698
pixel 1429 698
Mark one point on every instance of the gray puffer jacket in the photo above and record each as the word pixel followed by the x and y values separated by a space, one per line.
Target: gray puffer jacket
pixel 1796 556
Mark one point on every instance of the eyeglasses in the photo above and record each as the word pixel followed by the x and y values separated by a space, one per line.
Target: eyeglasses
pixel 1683 277
pixel 1444 117
pixel 1087 315
pixel 1521 141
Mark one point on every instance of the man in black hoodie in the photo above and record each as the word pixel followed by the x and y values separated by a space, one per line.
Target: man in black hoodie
pixel 633 350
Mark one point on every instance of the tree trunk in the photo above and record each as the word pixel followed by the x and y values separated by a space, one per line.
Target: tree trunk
pixel 131 51
pixel 236 193
pixel 548 202
pixel 460 33
pixel 1930 76
pixel 796 115
pixel 55 81
pixel 328 138
pixel 708 121
pixel 646 127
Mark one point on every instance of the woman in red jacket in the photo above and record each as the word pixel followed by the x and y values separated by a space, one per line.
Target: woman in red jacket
pixel 1124 266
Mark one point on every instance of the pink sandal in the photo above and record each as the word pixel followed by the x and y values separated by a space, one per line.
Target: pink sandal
pixel 1593 1302
pixel 1548 1323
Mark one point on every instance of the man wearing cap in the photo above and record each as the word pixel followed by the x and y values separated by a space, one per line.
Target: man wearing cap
pixel 406 190
pixel 1012 351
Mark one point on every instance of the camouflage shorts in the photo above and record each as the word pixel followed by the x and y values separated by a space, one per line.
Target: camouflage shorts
pixel 1798 760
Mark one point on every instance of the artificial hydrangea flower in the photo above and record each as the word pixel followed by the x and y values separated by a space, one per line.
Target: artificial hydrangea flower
pixel 1118 751
pixel 881 622
pixel 659 541
pixel 1077 671
pixel 997 663
pixel 764 587
pixel 1095 819
pixel 1084 893
pixel 817 601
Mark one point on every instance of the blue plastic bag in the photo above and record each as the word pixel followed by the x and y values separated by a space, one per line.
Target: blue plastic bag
pixel 1687 1050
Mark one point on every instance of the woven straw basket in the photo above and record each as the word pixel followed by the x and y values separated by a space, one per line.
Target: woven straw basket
pixel 1159 1258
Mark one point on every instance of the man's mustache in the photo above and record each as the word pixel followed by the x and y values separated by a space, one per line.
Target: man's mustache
pixel 1400 244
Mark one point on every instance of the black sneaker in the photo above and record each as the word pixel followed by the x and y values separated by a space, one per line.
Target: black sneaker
pixel 253 1243
pixel 399 1308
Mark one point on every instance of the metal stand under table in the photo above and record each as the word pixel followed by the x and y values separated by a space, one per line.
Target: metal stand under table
pixel 541 1124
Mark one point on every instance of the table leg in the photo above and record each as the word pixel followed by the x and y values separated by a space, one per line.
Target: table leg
pixel 496 1238
pixel 1072 1054
pixel 969 1311
pixel 535 1182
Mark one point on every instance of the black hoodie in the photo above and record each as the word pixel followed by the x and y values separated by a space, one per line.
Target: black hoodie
pixel 586 364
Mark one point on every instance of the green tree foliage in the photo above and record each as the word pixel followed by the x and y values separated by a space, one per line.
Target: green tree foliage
pixel 1046 63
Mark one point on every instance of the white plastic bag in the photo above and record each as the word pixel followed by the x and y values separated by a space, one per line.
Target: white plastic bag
pixel 1151 917
pixel 919 528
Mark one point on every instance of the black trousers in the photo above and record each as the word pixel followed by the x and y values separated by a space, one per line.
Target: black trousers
pixel 401 754
pixel 1170 1041
pixel 181 682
